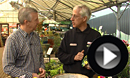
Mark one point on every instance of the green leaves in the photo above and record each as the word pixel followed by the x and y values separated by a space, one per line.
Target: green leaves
pixel 84 62
pixel 53 68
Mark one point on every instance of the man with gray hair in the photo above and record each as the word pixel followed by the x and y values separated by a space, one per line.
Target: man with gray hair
pixel 74 47
pixel 23 54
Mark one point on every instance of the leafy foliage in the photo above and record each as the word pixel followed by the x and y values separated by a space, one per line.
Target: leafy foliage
pixel 53 68
pixel 57 41
pixel 125 72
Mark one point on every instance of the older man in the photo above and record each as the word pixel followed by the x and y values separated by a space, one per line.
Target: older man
pixel 73 47
pixel 23 55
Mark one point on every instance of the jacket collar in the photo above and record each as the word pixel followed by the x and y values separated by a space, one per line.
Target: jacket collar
pixel 87 30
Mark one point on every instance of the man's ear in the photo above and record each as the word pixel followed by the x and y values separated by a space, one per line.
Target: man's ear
pixel 85 18
pixel 25 22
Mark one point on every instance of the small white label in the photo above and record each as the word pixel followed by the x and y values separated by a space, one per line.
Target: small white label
pixel 89 42
pixel 49 51
pixel 73 44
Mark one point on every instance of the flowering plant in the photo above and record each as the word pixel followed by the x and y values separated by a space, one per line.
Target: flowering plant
pixel 125 72
pixel 125 42
pixel 127 45
pixel 84 62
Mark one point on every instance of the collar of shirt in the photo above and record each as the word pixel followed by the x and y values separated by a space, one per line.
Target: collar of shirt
pixel 25 34
pixel 87 30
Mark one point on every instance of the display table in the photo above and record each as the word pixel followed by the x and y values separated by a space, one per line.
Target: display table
pixel 70 75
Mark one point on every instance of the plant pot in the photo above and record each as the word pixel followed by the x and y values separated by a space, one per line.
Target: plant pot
pixel 70 75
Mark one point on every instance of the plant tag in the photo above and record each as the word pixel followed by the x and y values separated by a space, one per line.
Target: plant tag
pixel 49 51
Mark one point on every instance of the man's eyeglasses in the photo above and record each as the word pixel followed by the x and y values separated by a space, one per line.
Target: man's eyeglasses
pixel 74 16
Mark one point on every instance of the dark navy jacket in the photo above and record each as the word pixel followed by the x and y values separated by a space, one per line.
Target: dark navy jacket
pixel 73 42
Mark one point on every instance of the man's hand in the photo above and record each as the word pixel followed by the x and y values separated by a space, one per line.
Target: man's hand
pixel 35 75
pixel 79 56
pixel 87 67
pixel 42 72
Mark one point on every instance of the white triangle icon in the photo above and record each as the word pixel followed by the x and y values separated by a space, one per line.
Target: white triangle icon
pixel 107 56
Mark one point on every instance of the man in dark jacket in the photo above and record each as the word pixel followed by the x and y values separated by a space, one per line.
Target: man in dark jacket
pixel 74 47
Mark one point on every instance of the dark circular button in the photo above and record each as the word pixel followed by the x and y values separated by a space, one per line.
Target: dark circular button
pixel 107 55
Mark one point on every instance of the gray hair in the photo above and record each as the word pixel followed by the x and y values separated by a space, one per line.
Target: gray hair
pixel 84 11
pixel 25 14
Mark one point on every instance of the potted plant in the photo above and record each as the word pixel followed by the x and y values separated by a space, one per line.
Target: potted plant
pixel 53 68
pixel 57 41
pixel 125 72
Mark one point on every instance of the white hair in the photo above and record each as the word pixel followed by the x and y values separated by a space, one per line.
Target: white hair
pixel 84 11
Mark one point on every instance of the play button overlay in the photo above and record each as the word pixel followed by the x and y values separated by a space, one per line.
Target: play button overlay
pixel 107 55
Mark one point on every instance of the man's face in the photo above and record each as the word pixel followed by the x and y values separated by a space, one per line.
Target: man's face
pixel 34 22
pixel 76 18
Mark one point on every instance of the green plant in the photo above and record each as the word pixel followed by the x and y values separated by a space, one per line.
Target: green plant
pixel 39 27
pixel 48 33
pixel 100 30
pixel 125 72
pixel 57 41
pixel 53 68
